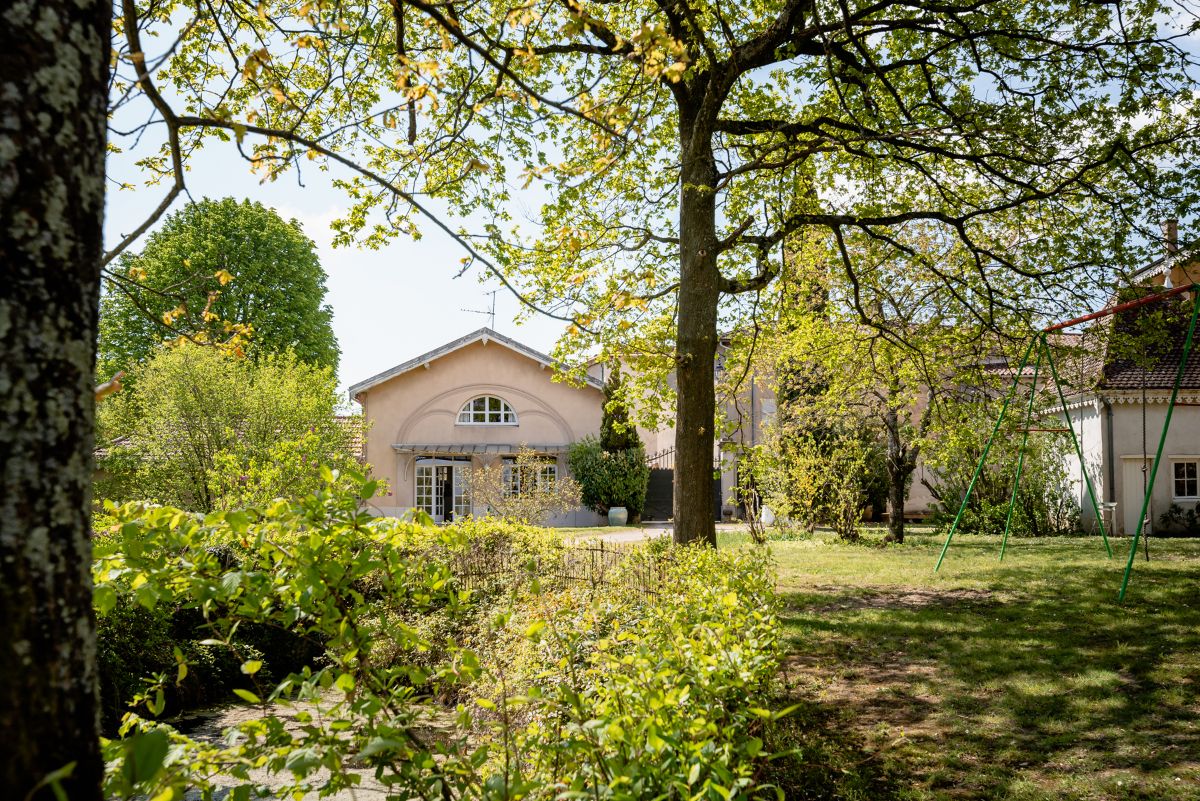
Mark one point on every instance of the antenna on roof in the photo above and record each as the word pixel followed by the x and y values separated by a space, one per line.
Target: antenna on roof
pixel 491 313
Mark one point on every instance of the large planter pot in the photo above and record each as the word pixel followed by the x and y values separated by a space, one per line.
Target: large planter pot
pixel 618 516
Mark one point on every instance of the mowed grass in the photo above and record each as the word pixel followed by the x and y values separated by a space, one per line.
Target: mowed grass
pixel 1021 679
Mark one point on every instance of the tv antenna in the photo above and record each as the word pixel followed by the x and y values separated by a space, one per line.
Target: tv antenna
pixel 489 313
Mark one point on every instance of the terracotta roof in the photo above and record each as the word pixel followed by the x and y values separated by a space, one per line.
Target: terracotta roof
pixel 1158 369
pixel 353 425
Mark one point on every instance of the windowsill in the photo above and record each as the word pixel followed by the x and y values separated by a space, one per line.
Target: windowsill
pixel 491 425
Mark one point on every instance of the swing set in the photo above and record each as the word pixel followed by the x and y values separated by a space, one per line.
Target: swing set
pixel 1042 345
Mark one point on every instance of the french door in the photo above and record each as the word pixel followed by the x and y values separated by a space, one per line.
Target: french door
pixel 441 488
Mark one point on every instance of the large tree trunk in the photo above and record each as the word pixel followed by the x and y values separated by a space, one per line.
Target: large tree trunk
pixel 53 85
pixel 699 292
pixel 696 348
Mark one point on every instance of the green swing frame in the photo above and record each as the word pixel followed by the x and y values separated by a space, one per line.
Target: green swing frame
pixel 1041 343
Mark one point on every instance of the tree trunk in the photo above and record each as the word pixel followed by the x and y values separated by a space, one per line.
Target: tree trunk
pixel 901 462
pixel 696 348
pixel 53 96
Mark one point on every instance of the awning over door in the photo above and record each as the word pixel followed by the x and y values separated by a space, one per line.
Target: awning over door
pixel 471 449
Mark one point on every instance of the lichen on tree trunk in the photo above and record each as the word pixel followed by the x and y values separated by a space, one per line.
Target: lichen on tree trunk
pixel 53 97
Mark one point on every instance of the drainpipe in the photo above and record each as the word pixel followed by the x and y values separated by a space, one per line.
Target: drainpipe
pixel 1110 481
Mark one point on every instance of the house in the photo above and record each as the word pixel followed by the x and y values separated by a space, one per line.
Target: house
pixel 478 400
pixel 1119 409
pixel 475 401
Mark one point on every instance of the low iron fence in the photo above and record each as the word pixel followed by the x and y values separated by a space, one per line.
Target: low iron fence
pixel 593 564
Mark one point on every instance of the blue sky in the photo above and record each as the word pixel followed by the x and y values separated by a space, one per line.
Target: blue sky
pixel 388 305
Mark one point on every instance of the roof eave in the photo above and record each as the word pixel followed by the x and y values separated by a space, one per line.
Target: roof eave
pixel 482 335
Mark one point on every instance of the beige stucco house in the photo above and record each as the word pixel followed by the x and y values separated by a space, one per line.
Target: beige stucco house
pixel 474 401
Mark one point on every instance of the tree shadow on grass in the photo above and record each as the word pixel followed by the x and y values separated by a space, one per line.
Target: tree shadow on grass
pixel 1043 687
pixel 825 760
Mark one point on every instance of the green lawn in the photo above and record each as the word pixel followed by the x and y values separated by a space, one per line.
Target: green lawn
pixel 1021 679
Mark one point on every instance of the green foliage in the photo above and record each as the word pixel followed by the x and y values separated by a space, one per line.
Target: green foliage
pixel 617 433
pixel 203 430
pixel 659 697
pixel 243 475
pixel 809 479
pixel 213 269
pixel 1046 504
pixel 609 480
pixel 613 692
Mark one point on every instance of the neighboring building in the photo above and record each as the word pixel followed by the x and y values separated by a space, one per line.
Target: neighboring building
pixel 479 399
pixel 1119 418
pixel 474 401
pixel 1120 411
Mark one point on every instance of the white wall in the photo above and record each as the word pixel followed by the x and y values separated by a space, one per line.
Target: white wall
pixel 1088 422
pixel 1183 440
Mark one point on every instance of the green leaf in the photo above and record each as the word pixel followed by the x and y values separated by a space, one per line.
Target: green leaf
pixel 104 598
pixel 377 745
pixel 246 695
pixel 144 755
pixel 345 683
pixel 251 666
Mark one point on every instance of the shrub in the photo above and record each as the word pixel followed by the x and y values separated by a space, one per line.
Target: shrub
pixel 619 694
pixel 600 689
pixel 809 479
pixel 1046 505
pixel 607 480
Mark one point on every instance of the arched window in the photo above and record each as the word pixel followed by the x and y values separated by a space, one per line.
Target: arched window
pixel 487 410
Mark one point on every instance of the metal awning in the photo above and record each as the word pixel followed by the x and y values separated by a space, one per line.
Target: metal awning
pixel 454 450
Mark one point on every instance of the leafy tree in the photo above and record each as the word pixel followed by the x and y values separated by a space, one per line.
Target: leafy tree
pixel 204 430
pixel 219 271
pixel 673 146
pixel 894 378
pixel 1046 504
pixel 617 432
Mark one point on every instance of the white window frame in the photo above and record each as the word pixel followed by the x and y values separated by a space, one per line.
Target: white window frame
pixel 543 479
pixel 425 482
pixel 1177 461
pixel 469 415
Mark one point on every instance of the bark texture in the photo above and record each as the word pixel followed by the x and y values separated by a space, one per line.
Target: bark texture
pixel 53 87
pixel 699 293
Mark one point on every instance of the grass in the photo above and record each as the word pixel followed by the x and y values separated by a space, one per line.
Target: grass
pixel 1022 679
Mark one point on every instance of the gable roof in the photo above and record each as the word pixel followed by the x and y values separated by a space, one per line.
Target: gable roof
pixel 485 335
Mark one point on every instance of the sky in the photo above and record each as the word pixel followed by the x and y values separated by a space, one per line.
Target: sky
pixel 389 305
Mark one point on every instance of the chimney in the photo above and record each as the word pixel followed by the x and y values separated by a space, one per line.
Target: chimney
pixel 1170 230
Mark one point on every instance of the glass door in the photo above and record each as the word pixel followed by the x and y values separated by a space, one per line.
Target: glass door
pixel 441 489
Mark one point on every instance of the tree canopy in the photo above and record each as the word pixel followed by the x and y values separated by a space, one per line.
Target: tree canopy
pixel 204 430
pixel 672 147
pixel 219 271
